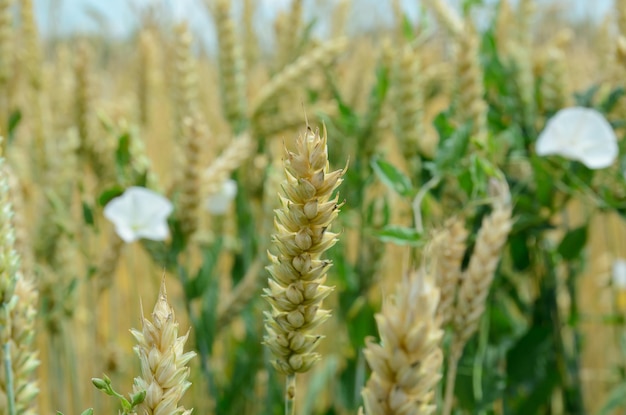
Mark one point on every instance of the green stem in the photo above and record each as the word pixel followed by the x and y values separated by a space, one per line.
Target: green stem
pixel 477 372
pixel 290 395
pixel 8 372
pixel 453 362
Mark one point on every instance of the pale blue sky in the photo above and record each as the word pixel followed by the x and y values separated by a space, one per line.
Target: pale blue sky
pixel 119 17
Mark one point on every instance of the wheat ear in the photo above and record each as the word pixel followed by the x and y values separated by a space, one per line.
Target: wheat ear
pixel 554 74
pixel 238 151
pixel 409 99
pixel 164 370
pixel 476 282
pixel 406 363
pixel 449 246
pixel 18 305
pixel 146 64
pixel 189 198
pixel 471 91
pixel 447 17
pixel 231 64
pixel 293 73
pixel 289 35
pixel 296 289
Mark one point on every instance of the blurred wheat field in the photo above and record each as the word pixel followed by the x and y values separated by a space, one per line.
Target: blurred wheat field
pixel 391 134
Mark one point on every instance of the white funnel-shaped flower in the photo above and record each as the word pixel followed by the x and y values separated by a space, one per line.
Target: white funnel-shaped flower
pixel 581 134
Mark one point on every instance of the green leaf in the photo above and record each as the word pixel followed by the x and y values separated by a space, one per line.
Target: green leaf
pixel 452 149
pixel 318 383
pixel 14 121
pixel 88 411
pixel 407 28
pixel 109 194
pixel 585 98
pixel 392 177
pixel 616 399
pixel 122 154
pixel 609 103
pixel 88 214
pixel 573 243
pixel 399 235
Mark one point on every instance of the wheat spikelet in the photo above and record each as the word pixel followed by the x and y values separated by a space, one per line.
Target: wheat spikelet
pixel 289 34
pixel 503 26
pixel 446 15
pixel 449 249
pixel 108 262
pixel 250 43
pixel 406 363
pixel 620 13
pixel 522 57
pixel 290 119
pixel 554 74
pixel 164 370
pixel 23 354
pixel 245 290
pixel 296 289
pixel 477 280
pixel 30 46
pixel 239 150
pixel 185 80
pixel 146 62
pixel 232 75
pixel 18 304
pixel 32 64
pixel 409 101
pixel 475 285
pixel 82 96
pixel 23 245
pixel 189 197
pixel 470 90
pixel 340 18
pixel 293 73
pixel 94 151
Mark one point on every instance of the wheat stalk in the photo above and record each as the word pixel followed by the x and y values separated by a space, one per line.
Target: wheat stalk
pixel 406 363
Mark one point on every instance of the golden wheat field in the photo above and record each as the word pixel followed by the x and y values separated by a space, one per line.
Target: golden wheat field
pixel 420 216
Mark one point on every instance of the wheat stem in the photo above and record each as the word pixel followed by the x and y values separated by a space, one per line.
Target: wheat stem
pixel 453 363
pixel 290 394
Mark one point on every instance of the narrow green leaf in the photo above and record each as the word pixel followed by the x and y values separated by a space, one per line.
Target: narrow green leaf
pixel 573 243
pixel 14 121
pixel 88 214
pixel 88 411
pixel 392 177
pixel 616 399
pixel 399 235
pixel 452 149
pixel 122 154
pixel 109 194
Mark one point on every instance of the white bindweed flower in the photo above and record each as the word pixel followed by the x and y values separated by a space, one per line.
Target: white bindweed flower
pixel 139 213
pixel 218 203
pixel 581 134
pixel 619 274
